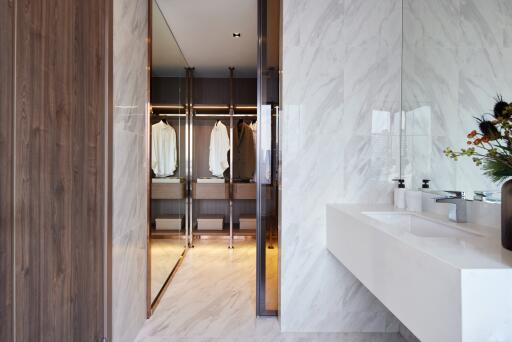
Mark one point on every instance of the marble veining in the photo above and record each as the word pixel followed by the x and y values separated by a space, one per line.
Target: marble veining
pixel 341 76
pixel 212 298
pixel 130 169
pixel 455 61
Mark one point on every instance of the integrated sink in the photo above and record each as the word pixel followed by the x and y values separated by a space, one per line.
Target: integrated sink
pixel 420 226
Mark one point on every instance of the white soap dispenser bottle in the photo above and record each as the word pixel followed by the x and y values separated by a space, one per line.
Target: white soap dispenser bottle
pixel 399 194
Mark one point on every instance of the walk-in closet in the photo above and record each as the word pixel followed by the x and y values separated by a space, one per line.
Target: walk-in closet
pixel 214 127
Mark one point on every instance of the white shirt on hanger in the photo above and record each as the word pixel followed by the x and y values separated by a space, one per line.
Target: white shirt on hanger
pixel 219 147
pixel 164 154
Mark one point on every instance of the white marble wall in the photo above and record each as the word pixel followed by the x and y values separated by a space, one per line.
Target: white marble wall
pixel 456 58
pixel 340 143
pixel 130 167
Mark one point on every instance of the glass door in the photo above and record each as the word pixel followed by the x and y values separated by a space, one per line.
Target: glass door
pixel 267 283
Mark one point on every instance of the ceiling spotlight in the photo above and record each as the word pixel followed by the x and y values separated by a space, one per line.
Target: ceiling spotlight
pixel 236 35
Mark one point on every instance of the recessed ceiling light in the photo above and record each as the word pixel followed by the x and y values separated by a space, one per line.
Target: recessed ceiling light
pixel 236 35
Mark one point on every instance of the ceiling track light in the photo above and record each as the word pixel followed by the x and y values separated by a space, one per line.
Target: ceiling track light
pixel 237 34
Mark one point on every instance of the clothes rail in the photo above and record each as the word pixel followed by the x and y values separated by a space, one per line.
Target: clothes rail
pixel 245 115
pixel 209 107
pixel 212 115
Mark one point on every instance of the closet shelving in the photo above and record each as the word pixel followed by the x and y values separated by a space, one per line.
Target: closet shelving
pixel 168 196
pixel 233 200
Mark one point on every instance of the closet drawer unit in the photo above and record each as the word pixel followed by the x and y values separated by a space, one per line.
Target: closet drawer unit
pixel 169 222
pixel 210 222
pixel 247 222
pixel 210 191
pixel 167 190
pixel 244 191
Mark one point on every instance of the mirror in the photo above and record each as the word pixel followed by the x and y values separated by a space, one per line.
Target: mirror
pixel 168 163
pixel 456 60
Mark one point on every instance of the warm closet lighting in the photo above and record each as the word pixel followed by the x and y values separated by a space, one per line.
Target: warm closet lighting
pixel 168 107
pixel 211 107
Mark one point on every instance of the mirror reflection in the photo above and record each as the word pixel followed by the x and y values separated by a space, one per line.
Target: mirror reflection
pixel 452 76
pixel 168 162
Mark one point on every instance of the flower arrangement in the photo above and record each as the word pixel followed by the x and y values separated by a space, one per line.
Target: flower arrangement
pixel 491 146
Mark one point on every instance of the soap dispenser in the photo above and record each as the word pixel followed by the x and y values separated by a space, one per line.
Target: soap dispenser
pixel 414 198
pixel 399 194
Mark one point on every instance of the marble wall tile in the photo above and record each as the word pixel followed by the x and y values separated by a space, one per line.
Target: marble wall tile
pixel 130 169
pixel 482 23
pixel 334 79
pixel 432 22
pixel 507 28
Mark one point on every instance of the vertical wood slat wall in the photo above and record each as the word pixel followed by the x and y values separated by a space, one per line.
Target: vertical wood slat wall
pixel 53 176
pixel 6 174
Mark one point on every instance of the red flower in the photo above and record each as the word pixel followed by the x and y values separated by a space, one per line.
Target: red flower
pixel 477 141
pixel 472 134
pixel 469 142
pixel 485 139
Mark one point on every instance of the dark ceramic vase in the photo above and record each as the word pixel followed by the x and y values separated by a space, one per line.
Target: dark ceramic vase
pixel 506 215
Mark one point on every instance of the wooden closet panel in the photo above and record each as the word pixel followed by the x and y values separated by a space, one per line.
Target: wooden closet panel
pixel 62 59
pixel 6 174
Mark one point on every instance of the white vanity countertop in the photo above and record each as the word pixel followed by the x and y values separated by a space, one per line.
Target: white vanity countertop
pixel 446 281
pixel 482 251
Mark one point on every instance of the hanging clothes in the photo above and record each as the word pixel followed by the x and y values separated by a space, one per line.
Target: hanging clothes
pixel 164 154
pixel 244 154
pixel 219 147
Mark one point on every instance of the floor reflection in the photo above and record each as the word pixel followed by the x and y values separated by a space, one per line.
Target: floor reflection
pixel 165 253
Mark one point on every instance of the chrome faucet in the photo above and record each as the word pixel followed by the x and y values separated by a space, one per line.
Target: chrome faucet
pixel 459 212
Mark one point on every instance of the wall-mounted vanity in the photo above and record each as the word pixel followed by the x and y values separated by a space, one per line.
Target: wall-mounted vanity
pixel 444 281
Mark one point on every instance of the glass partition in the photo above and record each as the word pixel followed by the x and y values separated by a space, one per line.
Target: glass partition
pixel 268 158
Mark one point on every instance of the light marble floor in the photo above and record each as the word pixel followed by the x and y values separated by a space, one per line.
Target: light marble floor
pixel 165 253
pixel 212 298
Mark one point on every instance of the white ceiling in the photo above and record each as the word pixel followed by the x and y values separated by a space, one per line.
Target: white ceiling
pixel 204 31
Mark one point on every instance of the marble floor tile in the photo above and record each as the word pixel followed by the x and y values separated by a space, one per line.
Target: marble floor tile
pixel 212 298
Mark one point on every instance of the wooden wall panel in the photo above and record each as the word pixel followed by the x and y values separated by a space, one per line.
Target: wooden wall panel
pixel 62 59
pixel 6 174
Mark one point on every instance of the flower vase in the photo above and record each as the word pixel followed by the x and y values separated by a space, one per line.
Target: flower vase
pixel 506 215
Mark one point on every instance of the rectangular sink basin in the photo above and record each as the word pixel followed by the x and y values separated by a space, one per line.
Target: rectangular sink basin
pixel 419 226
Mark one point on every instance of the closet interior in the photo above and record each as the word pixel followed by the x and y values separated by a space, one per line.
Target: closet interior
pixel 214 137
pixel 218 126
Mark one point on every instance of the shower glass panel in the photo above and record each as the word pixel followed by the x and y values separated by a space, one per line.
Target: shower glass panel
pixel 169 152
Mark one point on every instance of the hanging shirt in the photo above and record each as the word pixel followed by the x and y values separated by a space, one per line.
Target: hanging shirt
pixel 164 155
pixel 219 147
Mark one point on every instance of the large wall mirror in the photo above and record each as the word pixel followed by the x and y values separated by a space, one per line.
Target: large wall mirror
pixel 456 61
pixel 168 163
